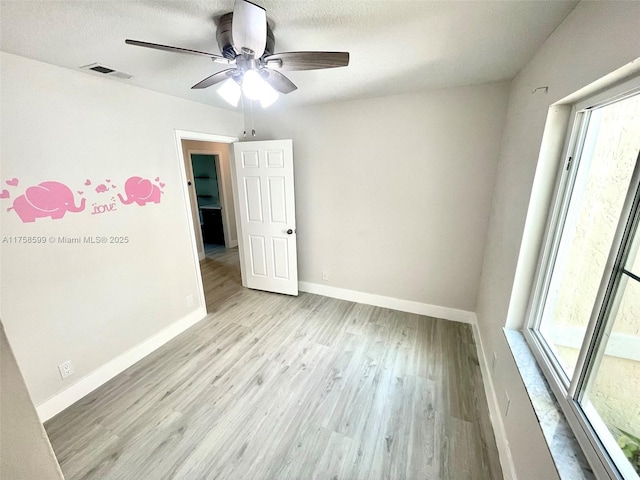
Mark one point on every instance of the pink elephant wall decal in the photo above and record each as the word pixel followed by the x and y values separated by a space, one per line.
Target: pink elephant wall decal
pixel 141 191
pixel 48 199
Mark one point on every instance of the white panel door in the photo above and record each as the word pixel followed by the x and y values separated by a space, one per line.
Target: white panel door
pixel 263 180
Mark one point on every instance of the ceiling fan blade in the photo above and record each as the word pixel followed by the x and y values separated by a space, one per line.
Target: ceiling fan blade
pixel 167 48
pixel 278 81
pixel 306 60
pixel 216 78
pixel 249 27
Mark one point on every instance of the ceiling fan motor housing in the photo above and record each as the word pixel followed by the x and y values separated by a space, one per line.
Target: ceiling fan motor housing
pixel 225 39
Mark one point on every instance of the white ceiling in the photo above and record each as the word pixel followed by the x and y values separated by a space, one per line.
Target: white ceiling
pixel 396 46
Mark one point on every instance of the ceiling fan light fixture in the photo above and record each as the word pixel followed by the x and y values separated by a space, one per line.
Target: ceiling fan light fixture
pixel 230 91
pixel 256 88
pixel 252 84
pixel 269 96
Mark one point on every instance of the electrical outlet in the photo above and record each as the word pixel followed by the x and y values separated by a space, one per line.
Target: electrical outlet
pixel 325 275
pixel 494 361
pixel 507 404
pixel 66 369
pixel 189 300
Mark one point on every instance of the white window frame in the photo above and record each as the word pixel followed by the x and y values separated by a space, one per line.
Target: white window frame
pixel 565 389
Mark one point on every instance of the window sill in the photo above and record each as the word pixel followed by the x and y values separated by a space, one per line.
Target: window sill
pixel 567 455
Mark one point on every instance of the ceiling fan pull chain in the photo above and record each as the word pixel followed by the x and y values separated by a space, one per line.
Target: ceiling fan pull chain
pixel 244 116
pixel 253 126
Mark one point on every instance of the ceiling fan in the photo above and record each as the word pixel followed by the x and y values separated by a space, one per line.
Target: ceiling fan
pixel 247 42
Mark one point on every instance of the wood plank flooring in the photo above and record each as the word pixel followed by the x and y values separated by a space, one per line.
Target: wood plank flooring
pixel 276 387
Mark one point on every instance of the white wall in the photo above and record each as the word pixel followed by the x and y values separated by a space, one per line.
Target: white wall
pixel 393 194
pixel 26 452
pixel 595 39
pixel 92 303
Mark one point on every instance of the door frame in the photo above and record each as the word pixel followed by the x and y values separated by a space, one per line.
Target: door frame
pixel 186 199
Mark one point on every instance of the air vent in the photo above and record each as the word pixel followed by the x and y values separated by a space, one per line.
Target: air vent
pixel 101 69
pixel 106 71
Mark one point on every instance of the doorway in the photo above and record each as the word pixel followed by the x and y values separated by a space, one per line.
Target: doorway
pixel 206 189
pixel 218 146
pixel 208 179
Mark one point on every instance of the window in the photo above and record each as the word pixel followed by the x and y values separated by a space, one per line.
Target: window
pixel 584 324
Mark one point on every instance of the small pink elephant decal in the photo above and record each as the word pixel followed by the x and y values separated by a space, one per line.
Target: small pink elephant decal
pixel 48 199
pixel 102 188
pixel 141 191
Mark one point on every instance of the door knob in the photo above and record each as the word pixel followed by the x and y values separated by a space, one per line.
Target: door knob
pixel 289 232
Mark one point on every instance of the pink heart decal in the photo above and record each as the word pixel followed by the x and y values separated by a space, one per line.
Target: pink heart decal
pixel 13 182
pixel 80 192
pixel 161 185
pixel 4 193
pixel 87 182
pixel 108 181
pixel 157 179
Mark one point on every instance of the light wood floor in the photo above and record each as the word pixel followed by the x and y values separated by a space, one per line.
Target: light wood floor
pixel 276 387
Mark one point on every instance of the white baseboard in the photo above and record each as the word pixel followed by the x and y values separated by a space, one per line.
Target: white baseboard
pixel 106 372
pixel 389 302
pixel 506 461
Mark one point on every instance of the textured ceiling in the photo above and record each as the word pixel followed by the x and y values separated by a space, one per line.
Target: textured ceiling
pixel 396 46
